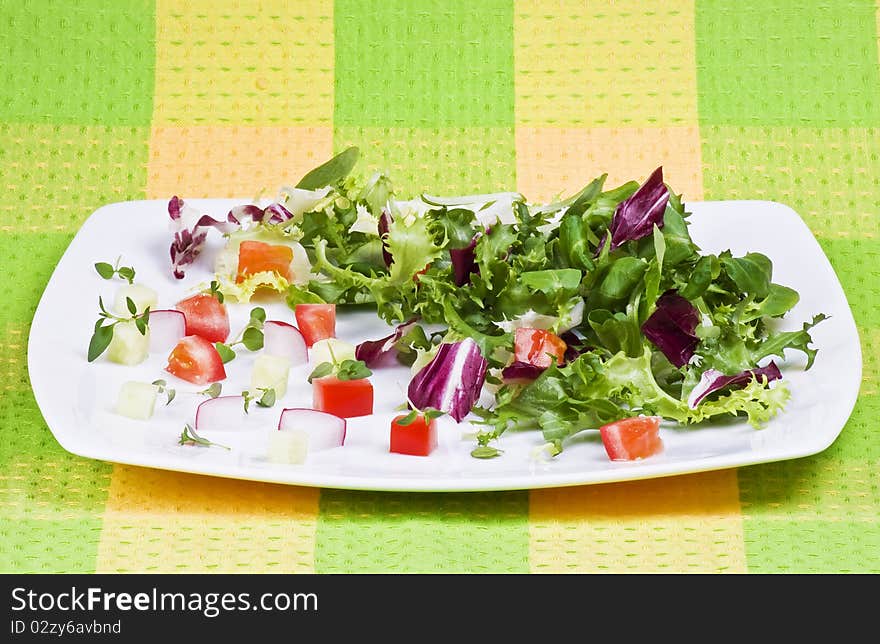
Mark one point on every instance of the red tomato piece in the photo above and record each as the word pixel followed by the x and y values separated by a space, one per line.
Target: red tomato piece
pixel 419 438
pixel 343 398
pixel 316 321
pixel 256 257
pixel 534 345
pixel 206 317
pixel 632 438
pixel 195 360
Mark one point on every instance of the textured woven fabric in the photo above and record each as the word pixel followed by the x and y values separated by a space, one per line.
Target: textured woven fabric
pixel 105 102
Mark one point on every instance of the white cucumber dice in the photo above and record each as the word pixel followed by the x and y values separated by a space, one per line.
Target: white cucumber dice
pixel 270 372
pixel 142 296
pixel 136 400
pixel 128 346
pixel 321 351
pixel 288 448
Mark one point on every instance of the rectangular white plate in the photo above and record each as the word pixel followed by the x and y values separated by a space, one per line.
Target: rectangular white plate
pixel 77 398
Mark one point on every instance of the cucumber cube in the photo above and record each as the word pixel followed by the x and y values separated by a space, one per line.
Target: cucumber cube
pixel 321 351
pixel 142 296
pixel 288 447
pixel 270 372
pixel 136 400
pixel 128 346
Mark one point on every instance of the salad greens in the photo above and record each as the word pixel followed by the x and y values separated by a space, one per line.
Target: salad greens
pixel 651 324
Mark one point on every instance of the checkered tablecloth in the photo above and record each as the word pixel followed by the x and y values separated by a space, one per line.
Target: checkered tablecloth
pixel 103 102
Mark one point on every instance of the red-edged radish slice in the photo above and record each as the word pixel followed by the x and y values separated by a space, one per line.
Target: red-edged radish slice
pixel 324 430
pixel 166 329
pixel 222 413
pixel 285 340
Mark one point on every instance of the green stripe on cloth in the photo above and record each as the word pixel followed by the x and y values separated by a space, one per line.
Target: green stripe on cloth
pixel 50 500
pixel 426 90
pixel 855 261
pixel 28 262
pixel 61 546
pixel 423 63
pixel 779 62
pixel 374 532
pixel 817 514
pixel 77 62
pixel 830 176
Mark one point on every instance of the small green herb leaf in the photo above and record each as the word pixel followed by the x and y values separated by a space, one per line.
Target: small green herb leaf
pixel 252 339
pixel 213 391
pixel 323 369
pixel 126 273
pixel 141 324
pixel 189 437
pixel 409 419
pixel 258 316
pixel 170 393
pixel 215 291
pixel 226 354
pixel 431 413
pixel 105 270
pixel 268 397
pixel 353 370
pixel 486 451
pixel 101 339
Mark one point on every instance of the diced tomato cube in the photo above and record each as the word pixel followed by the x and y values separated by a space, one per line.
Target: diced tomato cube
pixel 205 316
pixel 316 321
pixel 195 360
pixel 419 438
pixel 632 438
pixel 534 345
pixel 257 257
pixel 343 398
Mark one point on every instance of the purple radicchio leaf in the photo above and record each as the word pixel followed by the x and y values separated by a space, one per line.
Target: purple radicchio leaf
pixel 384 228
pixel 376 353
pixel 278 213
pixel 239 213
pixel 464 262
pixel 713 380
pixel 671 328
pixel 575 346
pixel 519 370
pixel 452 381
pixel 188 242
pixel 635 217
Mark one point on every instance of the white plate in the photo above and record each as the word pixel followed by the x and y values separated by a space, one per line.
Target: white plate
pixel 76 398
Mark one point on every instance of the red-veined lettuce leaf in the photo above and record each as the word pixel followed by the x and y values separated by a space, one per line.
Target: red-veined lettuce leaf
pixel 636 216
pixel 452 381
pixel 189 240
pixel 671 328
pixel 375 353
pixel 713 380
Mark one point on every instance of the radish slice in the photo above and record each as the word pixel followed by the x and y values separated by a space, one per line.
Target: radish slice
pixel 285 340
pixel 221 413
pixel 324 430
pixel 166 329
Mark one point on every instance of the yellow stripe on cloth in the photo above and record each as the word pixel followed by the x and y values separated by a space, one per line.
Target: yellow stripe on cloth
pixel 560 161
pixel 244 62
pixel 627 63
pixel 157 521
pixel 678 524
pixel 235 161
